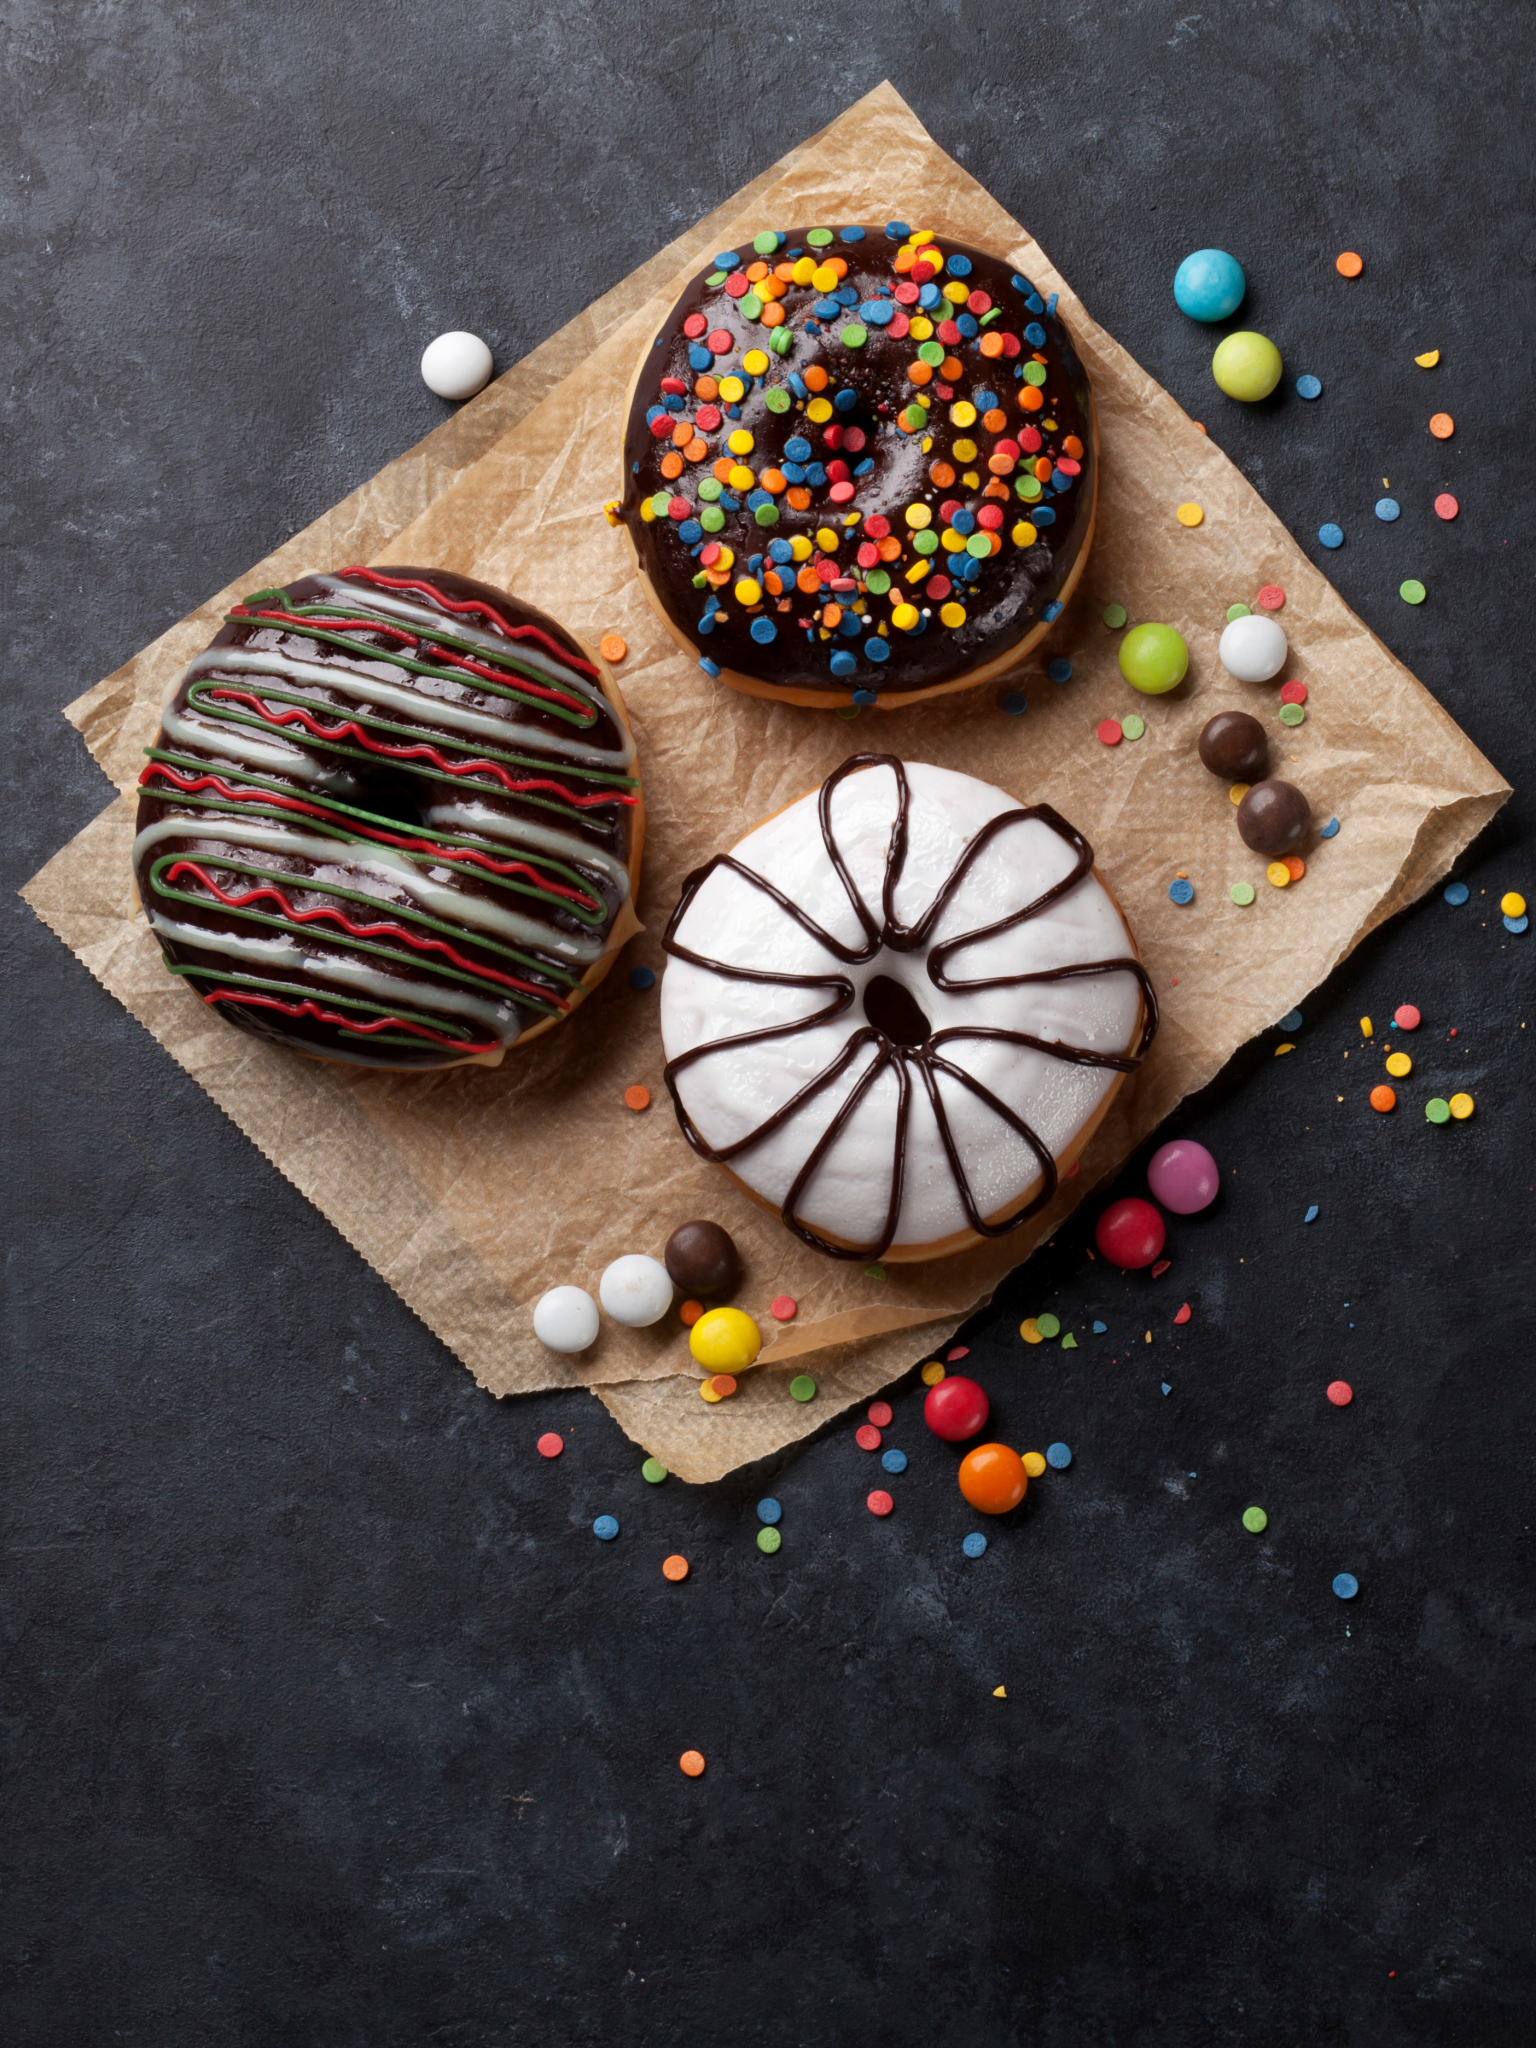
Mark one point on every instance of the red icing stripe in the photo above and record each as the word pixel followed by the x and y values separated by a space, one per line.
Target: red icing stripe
pixel 309 1009
pixel 349 729
pixel 192 784
pixel 327 913
pixel 474 604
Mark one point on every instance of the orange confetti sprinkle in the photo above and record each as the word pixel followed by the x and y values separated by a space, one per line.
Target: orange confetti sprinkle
pixel 1349 264
pixel 724 1384
pixel 675 1568
pixel 613 647
pixel 1383 1098
pixel 691 1764
pixel 637 1098
pixel 690 1312
pixel 1442 426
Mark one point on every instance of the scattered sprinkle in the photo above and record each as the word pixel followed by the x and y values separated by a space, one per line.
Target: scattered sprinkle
pixel 894 1460
pixel 1166 1388
pixel 1349 264
pixel 1292 1021
pixel 1330 830
pixel 1115 616
pixel 1159 1268
pixel 1412 592
pixel 1181 891
pixel 1340 1393
pixel 1242 894
pixel 874 1272
pixel 880 1414
pixel 653 1471
pixel 707 1393
pixel 769 1511
pixel 689 1313
pixel 1442 426
pixel 956 1351
pixel 1366 1027
pixel 879 1502
pixel 802 1387
pixel 932 1373
pixel 1293 693
pixel 1446 506
pixel 613 647
pixel 642 977
pixel 637 1098
pixel 1346 1586
pixel 1058 1457
pixel 1428 360
pixel 1189 515
pixel 1278 874
pixel 1292 714
pixel 691 1764
pixel 768 1541
pixel 1099 1329
pixel 1015 703
pixel 1383 1098
pixel 1069 1342
pixel 674 1567
pixel 1309 387
pixel 1060 670
pixel 867 1437
pixel 1033 1463
pixel 1255 1521
pixel 1133 725
pixel 1462 1107
pixel 1271 598
pixel 1516 924
pixel 549 1445
pixel 1406 1017
pixel 1311 1215
pixel 1512 903
pixel 1238 791
pixel 1048 1325
pixel 1111 732
pixel 975 1545
pixel 1437 1110
pixel 723 1385
pixel 1183 1315
pixel 1399 1065
pixel 1456 893
pixel 1238 611
pixel 1330 535
pixel 605 1528
pixel 999 1692
pixel 783 1308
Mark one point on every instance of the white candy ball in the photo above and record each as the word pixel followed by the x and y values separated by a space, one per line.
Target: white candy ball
pixel 456 365
pixel 565 1319
pixel 636 1290
pixel 1253 649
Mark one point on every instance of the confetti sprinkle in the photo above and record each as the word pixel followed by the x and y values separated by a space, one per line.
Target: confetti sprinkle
pixel 1437 1110
pixel 1383 1098
pixel 1255 1521
pixel 1366 1027
pixel 642 977
pixel 1183 1315
pixel 1242 893
pixel 975 1545
pixel 1428 360
pixel 1330 535
pixel 932 1373
pixel 1406 1017
pixel 1442 426
pixel 1292 715
pixel 612 647
pixel 1340 1393
pixel 1512 904
pixel 549 1445
pixel 707 1393
pixel 1029 1330
pixel 1330 830
pixel 637 1098
pixel 1238 611
pixel 1399 1065
pixel 1048 1325
pixel 1060 670
pixel 675 1568
pixel 768 1541
pixel 769 1511
pixel 1516 924
pixel 1034 1464
pixel 1115 616
pixel 879 1502
pixel 1462 1107
pixel 1278 874
pixel 1346 1586
pixel 1446 506
pixel 691 1764
pixel 1238 791
pixel 894 1460
pixel 1182 891
pixel 1309 387
pixel 1293 693
pixel 1412 592
pixel 1069 1342
pixel 783 1308
pixel 1349 264
pixel 1292 1021
pixel 1058 1457
pixel 1311 1215
pixel 879 1413
pixel 605 1528
pixel 1189 515
pixel 802 1388
pixel 653 1471
pixel 1271 598
pixel 1110 731
pixel 1456 893
pixel 1387 508
pixel 1015 703
pixel 690 1311
pixel 867 1437
pixel 874 1272
pixel 999 1692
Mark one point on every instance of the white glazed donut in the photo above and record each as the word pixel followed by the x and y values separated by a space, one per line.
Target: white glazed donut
pixel 898 1008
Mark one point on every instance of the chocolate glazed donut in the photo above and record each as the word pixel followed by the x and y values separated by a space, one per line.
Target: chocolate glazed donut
pixel 857 472
pixel 390 818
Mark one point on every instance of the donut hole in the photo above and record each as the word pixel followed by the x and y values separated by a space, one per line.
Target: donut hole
pixel 894 1012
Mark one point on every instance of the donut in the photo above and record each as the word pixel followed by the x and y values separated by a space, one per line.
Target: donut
pixel 859 467
pixel 391 817
pixel 897 1010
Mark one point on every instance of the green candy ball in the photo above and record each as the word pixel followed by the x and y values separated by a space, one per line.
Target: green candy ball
pixel 1247 366
pixel 1154 659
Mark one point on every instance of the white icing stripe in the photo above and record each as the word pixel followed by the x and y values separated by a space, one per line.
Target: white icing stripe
pixel 278 957
pixel 505 732
pixel 347 856
pixel 488 824
pixel 239 743
pixel 367 599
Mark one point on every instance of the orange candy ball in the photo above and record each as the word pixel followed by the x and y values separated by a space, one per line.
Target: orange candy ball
pixel 993 1478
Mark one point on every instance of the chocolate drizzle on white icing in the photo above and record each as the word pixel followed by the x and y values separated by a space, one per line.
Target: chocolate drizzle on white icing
pixel 925 1060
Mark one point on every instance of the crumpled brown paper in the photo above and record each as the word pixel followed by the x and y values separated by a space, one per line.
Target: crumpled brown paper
pixel 473 1191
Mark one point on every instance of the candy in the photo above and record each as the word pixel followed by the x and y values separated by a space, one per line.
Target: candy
pixel 565 1319
pixel 456 365
pixel 1183 1176
pixel 674 1568
pixel 1442 426
pixel 1383 1098
pixel 1412 591
pixel 702 1258
pixel 1346 1585
pixel 1309 387
pixel 975 1545
pixel 1034 1464
pixel 637 1097
pixel 1130 1233
pixel 1189 515
pixel 1512 904
pixel 1255 1521
pixel 1437 1110
pixel 867 1437
pixel 1153 659
pixel 691 1764
pixel 1387 509
pixel 1406 1017
pixel 1209 285
pixel 1461 1107
pixel 1247 366
pixel 993 1479
pixel 1273 818
pixel 1399 1066
pixel 956 1408
pixel 1234 746
pixel 653 1471
pixel 768 1541
pixel 1349 264
pixel 1058 1457
pixel 802 1387
pixel 613 647
pixel 1253 649
pixel 879 1502
pixel 605 1528
pixel 725 1340
pixel 1446 506
pixel 1340 1393
pixel 636 1290
pixel 550 1445
pixel 1331 535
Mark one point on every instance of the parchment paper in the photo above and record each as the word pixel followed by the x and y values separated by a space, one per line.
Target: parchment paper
pixel 473 1191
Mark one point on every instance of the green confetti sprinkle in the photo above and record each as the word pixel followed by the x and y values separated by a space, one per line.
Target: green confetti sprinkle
pixel 654 1471
pixel 768 1540
pixel 766 243
pixel 1437 1110
pixel 1133 726
pixel 1255 1521
pixel 874 1272
pixel 1115 616
pixel 1048 1325
pixel 777 399
pixel 802 1388
pixel 1412 592
pixel 1292 714
pixel 819 238
pixel 854 336
pixel 1069 1342
pixel 1241 893
pixel 1237 611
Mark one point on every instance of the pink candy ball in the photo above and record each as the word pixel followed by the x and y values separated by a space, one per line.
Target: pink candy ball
pixel 1184 1177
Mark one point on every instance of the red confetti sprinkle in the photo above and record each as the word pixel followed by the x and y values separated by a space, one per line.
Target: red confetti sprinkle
pixel 1446 506
pixel 736 285
pixel 1109 732
pixel 721 342
pixel 1161 1267
pixel 1340 1393
pixel 958 1351
pixel 879 1502
pixel 782 1308
pixel 1072 1169
pixel 710 418
pixel 1406 1017
pixel 867 1437
pixel 549 1445
pixel 1293 693
pixel 694 326
pixel 1271 598
pixel 1183 1314
pixel 880 1414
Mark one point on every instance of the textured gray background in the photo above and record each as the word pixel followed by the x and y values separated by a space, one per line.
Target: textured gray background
pixel 326 1720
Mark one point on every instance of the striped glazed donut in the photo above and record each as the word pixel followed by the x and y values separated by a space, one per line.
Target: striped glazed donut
pixel 391 817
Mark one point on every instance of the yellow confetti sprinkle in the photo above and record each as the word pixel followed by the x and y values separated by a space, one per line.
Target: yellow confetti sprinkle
pixel 1189 515
pixel 1279 874
pixel 707 1392
pixel 1462 1107
pixel 1289 1046
pixel 1399 1064
pixel 1029 1330
pixel 933 1372
pixel 1512 905
pixel 999 1692
pixel 1149 1336
pixel 1428 362
pixel 611 512
pixel 1238 791
pixel 1033 1463
pixel 1365 1027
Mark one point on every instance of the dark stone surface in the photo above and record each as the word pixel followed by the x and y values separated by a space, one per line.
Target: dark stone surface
pixel 326 1719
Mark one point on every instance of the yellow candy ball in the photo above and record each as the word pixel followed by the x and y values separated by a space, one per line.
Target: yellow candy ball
pixel 725 1340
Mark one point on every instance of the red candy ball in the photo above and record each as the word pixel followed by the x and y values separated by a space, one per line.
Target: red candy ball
pixel 956 1408
pixel 1130 1233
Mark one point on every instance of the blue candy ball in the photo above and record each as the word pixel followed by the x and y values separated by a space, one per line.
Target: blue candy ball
pixel 1209 285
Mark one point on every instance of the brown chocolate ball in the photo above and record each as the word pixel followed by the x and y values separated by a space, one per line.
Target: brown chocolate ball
pixel 702 1259
pixel 1235 746
pixel 1274 818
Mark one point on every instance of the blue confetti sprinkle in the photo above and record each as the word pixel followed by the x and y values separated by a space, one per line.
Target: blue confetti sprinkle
pixel 690 531
pixel 764 631
pixel 966 326
pixel 1309 387
pixel 1021 284
pixel 793 474
pixel 1166 1388
pixel 826 309
pixel 964 521
pixel 1034 334
pixel 898 231
pixel 1042 515
pixel 975 1545
pixel 1015 703
pixel 984 401
pixel 699 357
pixel 816 474
pixel 1456 893
pixel 1058 1457
pixel 852 234
pixel 1034 303
pixel 845 401
pixel 1330 535
pixel 843 663
pixel 1059 670
pixel 845 295
pixel 864 697
pixel 780 551
pixel 1330 830
pixel 1311 1215
pixel 1099 1329
pixel 1292 1021
pixel 727 261
pixel 707 623
pixel 894 1460
pixel 710 668
pixel 1052 611
pixel 642 977
pixel 769 1512
pixel 605 1528
pixel 1387 508
pixel 875 649
pixel 1346 1585
pixel 877 312
pixel 1181 890
pixel 1516 924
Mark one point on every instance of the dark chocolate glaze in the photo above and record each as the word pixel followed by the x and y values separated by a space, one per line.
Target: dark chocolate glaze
pixel 292 811
pixel 1015 588
pixel 925 1060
